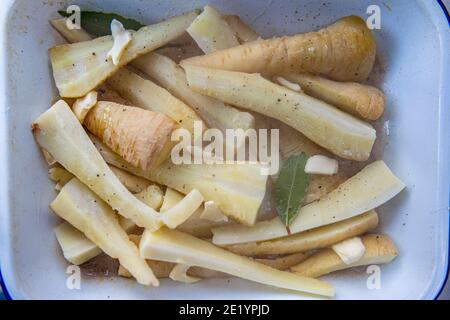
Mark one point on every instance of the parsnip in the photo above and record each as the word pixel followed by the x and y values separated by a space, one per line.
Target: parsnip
pixel 60 133
pixel 151 196
pixel 363 101
pixel 241 29
pixel 336 131
pixel 211 31
pixel 343 51
pixel 379 250
pixel 141 137
pixel 215 113
pixel 311 239
pixel 145 94
pixel 133 183
pixel 175 246
pixel 60 175
pixel 88 213
pixel 285 262
pixel 179 273
pixel 368 189
pixel 79 68
pixel 76 248
pixel 238 189
pixel 180 212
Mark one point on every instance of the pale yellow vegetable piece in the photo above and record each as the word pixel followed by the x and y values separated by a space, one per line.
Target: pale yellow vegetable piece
pixel 60 175
pixel 320 164
pixel 237 189
pixel 211 31
pixel 368 189
pixel 379 250
pixel 79 68
pixel 171 198
pixel 151 196
pixel 215 113
pixel 336 131
pixel 88 213
pixel 121 40
pixel 212 213
pixel 317 238
pixel 61 134
pixel 343 51
pixel 178 247
pixel 77 249
pixel 132 182
pixel 363 101
pixel 145 94
pixel 180 212
pixel 141 137
pixel 82 106
pixel 285 262
pixel 179 273
pixel 242 30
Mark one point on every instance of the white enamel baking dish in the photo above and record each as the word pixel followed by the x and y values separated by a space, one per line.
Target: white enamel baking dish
pixel 414 48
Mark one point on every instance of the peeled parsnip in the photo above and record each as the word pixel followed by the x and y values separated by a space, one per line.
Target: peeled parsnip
pixel 343 51
pixel 88 213
pixel 79 68
pixel 215 113
pixel 379 250
pixel 59 132
pixel 333 129
pixel 363 101
pixel 368 189
pixel 141 137
pixel 178 247
pixel 241 29
pixel 311 239
pixel 238 189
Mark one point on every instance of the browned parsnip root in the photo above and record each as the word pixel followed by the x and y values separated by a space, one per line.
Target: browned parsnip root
pixel 363 101
pixel 379 250
pixel 343 51
pixel 140 136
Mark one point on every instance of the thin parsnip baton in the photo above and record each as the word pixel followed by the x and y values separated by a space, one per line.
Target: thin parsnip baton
pixel 311 239
pixel 141 137
pixel 379 249
pixel 329 127
pixel 88 213
pixel 80 67
pixel 368 189
pixel 343 51
pixel 363 101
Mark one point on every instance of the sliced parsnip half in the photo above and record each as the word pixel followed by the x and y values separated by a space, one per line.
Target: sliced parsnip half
pixel 178 247
pixel 311 239
pixel 76 248
pixel 79 68
pixel 336 131
pixel 171 76
pixel 368 189
pixel 212 32
pixel 379 250
pixel 59 132
pixel 237 189
pixel 88 213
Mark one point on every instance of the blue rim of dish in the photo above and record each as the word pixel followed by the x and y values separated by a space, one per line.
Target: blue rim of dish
pixel 7 296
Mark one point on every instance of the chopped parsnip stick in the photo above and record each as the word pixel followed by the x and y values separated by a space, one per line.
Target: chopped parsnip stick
pixel 343 51
pixel 145 94
pixel 331 128
pixel 133 183
pixel 364 101
pixel 88 213
pixel 284 263
pixel 60 175
pixel 180 212
pixel 368 189
pixel 77 249
pixel 179 273
pixel 242 30
pixel 138 91
pixel 175 246
pixel 141 137
pixel 79 68
pixel 151 196
pixel 215 113
pixel 238 189
pixel 311 239
pixel 379 250
pixel 121 40
pixel 82 106
pixel 61 134
pixel 171 198
pixel 211 31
